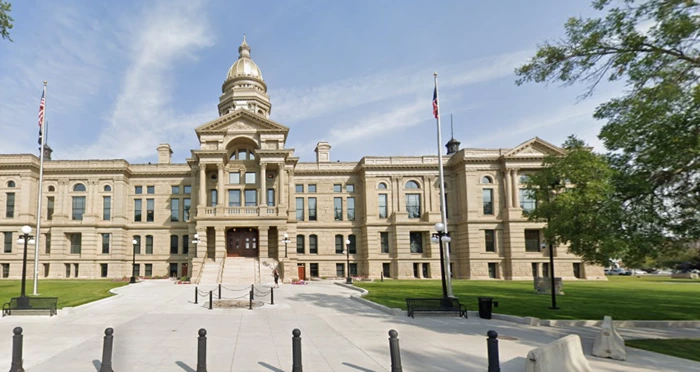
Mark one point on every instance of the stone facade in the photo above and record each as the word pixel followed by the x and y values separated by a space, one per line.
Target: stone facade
pixel 243 177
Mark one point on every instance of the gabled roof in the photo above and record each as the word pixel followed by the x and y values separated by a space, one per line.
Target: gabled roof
pixel 534 147
pixel 259 123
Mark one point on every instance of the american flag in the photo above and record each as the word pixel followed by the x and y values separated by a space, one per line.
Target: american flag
pixel 435 103
pixel 41 109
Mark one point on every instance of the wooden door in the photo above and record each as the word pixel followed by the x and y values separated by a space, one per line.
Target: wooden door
pixel 301 270
pixel 242 242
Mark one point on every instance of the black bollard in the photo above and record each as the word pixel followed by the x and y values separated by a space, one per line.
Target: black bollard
pixel 394 351
pixel 211 299
pixel 202 351
pixel 272 296
pixel 106 365
pixel 296 351
pixel 16 365
pixel 251 300
pixel 492 350
pixel 219 291
pixel 195 295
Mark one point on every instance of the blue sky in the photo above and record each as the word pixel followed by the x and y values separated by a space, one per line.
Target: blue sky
pixel 125 76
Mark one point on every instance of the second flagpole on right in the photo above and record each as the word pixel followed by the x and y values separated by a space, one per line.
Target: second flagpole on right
pixel 443 201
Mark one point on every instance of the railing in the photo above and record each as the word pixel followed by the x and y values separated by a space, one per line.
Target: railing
pixel 201 267
pixel 220 277
pixel 240 211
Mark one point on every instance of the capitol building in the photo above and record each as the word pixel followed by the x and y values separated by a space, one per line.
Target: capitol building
pixel 244 205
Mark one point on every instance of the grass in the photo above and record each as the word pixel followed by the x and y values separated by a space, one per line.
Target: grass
pixel 681 348
pixel 70 293
pixel 623 298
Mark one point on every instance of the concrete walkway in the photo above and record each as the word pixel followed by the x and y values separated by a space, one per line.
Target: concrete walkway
pixel 155 328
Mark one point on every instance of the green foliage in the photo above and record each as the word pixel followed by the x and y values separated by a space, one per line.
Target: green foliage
pixel 653 129
pixel 5 19
pixel 682 348
pixel 69 292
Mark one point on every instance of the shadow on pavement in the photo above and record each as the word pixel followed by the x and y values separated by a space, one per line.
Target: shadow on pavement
pixel 184 366
pixel 271 368
pixel 358 367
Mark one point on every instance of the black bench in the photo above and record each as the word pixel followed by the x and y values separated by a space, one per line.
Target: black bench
pixel 435 305
pixel 30 304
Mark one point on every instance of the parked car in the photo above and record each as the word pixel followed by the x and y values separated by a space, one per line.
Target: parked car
pixel 662 272
pixel 620 271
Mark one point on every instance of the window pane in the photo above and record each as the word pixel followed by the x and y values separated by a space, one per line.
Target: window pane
pixel 299 188
pixel 78 207
pixel 337 188
pixel 137 210
pixel 150 210
pixel 75 243
pixel 105 243
pixel 150 189
pixel 532 240
pixel 106 208
pixel 300 244
pixel 234 178
pixel 186 205
pixel 487 195
pixel 188 189
pixel 213 198
pixel 10 205
pixel 250 178
pixel 270 197
pixel 382 186
pixel 251 198
pixel 339 244
pixel 234 198
pixel 489 237
pixel 49 207
pixel 176 189
pixel 175 210
pixel 8 242
pixel 138 189
pixel 185 244
pixel 242 155
pixel 383 212
pixel 351 209
pixel 527 200
pixel 338 208
pixel 412 185
pixel 312 209
pixel 416 242
pixel 350 188
pixel 413 205
pixel 173 244
pixel 384 241
pixel 313 244
pixel 352 247
pixel 149 244
pixel 300 209
pixel 137 246
pixel 312 188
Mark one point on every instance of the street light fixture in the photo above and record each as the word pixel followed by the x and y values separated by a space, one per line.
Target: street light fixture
pixel 133 263
pixel 439 237
pixel 25 238
pixel 553 289
pixel 348 280
pixel 196 241
pixel 286 241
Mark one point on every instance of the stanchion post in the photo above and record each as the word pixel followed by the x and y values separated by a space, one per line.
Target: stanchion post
pixel 394 351
pixel 219 291
pixel 195 295
pixel 202 351
pixel 492 350
pixel 106 365
pixel 16 365
pixel 296 351
pixel 251 300
pixel 272 296
pixel 211 300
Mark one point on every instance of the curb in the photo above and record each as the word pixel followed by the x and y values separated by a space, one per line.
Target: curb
pixel 71 310
pixel 374 305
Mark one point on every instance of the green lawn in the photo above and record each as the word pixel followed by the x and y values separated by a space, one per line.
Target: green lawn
pixel 69 292
pixel 623 298
pixel 682 348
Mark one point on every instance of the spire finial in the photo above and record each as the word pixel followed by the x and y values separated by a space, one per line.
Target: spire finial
pixel 452 128
pixel 244 49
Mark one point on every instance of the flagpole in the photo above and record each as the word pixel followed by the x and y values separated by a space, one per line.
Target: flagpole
pixel 443 210
pixel 37 238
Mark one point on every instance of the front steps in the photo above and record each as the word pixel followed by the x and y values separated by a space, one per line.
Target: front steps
pixel 210 272
pixel 240 270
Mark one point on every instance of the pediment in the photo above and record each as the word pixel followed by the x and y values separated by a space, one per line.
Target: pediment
pixel 242 121
pixel 535 147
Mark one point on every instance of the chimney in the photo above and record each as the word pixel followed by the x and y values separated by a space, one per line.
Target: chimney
pixel 164 153
pixel 323 152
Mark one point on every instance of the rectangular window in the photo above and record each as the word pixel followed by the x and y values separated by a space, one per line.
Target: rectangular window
pixel 75 243
pixel 150 210
pixel 75 270
pixel 46 270
pixel 138 190
pixel 490 238
pixel 251 198
pixel 340 270
pixel 313 244
pixel 545 270
pixel 137 270
pixel 339 244
pixel 426 270
pixel 137 246
pixel 174 210
pixel 49 208
pixel 416 270
pixel 338 208
pixel 298 188
pixel 8 242
pixel 535 269
pixel 78 208
pixel 351 209
pixel 105 243
pixel 300 244
pixel 234 198
pixel 213 197
pixel 313 268
pixel 312 209
pixel 352 247
pixel 137 210
pixel 234 178
pixel 312 188
pixel 383 212
pixel 413 205
pixel 353 269
pixel 67 270
pixel 106 208
pixel 149 244
pixel 173 244
pixel 176 189
pixel 337 187
pixel 10 205
pixel 493 270
pixel 150 189
pixel 47 241
pixel 386 269
pixel 487 196
pixel 270 197
pixel 532 240
pixel 527 200
pixel 250 178
pixel 350 188
pixel 148 270
pixel 300 209
pixel 384 241
pixel 577 270
pixel 6 270
pixel 186 205
pixel 185 244
pixel 103 270
pixel 187 189
pixel 416 241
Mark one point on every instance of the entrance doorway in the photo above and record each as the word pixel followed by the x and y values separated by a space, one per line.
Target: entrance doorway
pixel 242 242
pixel 301 270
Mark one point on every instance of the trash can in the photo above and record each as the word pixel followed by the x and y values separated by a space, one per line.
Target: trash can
pixel 486 305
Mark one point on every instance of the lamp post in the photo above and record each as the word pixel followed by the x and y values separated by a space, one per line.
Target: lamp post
pixel 286 241
pixel 553 289
pixel 133 263
pixel 439 237
pixel 348 280
pixel 196 241
pixel 25 238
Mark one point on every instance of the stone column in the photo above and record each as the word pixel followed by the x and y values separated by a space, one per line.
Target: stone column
pixel 514 182
pixel 263 184
pixel 263 242
pixel 508 187
pixel 282 185
pixel 220 242
pixel 202 185
pixel 396 192
pixel 220 186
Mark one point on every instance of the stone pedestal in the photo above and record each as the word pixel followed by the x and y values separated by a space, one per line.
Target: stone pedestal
pixel 543 285
pixel 609 343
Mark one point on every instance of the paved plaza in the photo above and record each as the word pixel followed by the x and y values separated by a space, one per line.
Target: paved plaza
pixel 156 322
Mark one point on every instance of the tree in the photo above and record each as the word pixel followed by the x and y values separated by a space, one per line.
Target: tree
pixel 5 19
pixel 653 129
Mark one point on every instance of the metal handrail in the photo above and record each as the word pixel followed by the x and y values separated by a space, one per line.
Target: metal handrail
pixel 220 277
pixel 201 268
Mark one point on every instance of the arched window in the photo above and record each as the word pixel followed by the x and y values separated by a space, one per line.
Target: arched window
pixel 524 178
pixel 79 187
pixel 242 155
pixel 108 188
pixel 381 186
pixel 486 179
pixel 11 184
pixel 251 155
pixel 52 189
pixel 412 185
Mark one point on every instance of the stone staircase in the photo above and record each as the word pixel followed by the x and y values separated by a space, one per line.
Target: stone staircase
pixel 240 270
pixel 210 272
